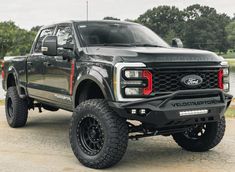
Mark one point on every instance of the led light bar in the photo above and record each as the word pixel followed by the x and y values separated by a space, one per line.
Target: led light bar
pixel 193 112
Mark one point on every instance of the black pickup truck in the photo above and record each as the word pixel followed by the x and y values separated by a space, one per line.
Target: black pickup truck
pixel 121 81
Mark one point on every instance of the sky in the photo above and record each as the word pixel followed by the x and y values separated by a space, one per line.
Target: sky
pixel 29 13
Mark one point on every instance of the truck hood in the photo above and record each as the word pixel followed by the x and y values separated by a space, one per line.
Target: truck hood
pixel 153 54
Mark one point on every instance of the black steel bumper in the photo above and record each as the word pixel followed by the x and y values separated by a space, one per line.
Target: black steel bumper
pixel 165 110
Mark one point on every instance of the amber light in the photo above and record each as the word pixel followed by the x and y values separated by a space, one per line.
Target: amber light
pixel 148 75
pixel 220 79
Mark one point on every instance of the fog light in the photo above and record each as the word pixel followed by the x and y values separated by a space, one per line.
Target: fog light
pixel 142 111
pixel 133 111
pixel 226 86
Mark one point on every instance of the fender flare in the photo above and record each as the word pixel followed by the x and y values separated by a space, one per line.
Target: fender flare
pixel 12 71
pixel 96 77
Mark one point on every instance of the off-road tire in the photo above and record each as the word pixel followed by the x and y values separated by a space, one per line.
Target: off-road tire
pixel 113 128
pixel 214 133
pixel 16 109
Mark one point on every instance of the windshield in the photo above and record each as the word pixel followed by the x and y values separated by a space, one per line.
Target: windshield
pixel 118 34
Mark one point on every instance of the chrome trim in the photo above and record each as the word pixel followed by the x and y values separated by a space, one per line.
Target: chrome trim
pixel 117 78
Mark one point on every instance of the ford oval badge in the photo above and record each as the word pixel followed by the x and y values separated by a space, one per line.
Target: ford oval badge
pixel 192 81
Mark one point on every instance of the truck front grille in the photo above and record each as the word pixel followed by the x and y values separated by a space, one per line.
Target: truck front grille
pixel 165 80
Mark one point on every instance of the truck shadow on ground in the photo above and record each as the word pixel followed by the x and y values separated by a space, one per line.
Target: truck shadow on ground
pixel 159 150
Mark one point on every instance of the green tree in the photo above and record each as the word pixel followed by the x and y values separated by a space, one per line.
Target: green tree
pixel 168 37
pixel 233 17
pixel 13 40
pixel 22 43
pixel 230 29
pixel 164 20
pixel 198 26
pixel 35 28
pixel 7 34
pixel 205 28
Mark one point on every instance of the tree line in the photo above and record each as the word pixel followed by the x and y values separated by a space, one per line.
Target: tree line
pixel 199 27
pixel 14 40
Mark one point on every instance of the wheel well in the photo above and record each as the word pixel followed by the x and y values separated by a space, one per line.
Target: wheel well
pixel 11 81
pixel 86 90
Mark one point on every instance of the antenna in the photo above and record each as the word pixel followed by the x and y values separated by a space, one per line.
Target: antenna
pixel 87 10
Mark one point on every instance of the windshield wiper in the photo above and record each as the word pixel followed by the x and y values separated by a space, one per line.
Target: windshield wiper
pixel 126 45
pixel 113 44
pixel 146 45
pixel 118 44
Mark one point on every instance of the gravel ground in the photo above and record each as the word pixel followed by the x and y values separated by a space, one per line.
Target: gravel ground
pixel 43 146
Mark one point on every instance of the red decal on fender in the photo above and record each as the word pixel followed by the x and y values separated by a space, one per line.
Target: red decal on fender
pixel 72 76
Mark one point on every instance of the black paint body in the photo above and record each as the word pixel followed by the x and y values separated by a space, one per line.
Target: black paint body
pixel 42 77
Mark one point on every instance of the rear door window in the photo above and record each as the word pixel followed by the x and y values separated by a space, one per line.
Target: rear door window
pixel 65 36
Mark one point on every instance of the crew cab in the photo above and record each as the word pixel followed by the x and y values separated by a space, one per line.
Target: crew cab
pixel 121 81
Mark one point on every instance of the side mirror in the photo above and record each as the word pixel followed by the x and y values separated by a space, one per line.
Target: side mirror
pixel 176 42
pixel 49 46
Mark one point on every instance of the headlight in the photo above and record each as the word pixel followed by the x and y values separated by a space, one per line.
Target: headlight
pixel 130 79
pixel 226 87
pixel 226 79
pixel 223 79
pixel 133 91
pixel 137 83
pixel 226 71
pixel 133 74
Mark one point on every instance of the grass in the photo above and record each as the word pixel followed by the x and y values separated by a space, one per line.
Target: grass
pixel 230 113
pixel 231 64
pixel 229 55
pixel 2 102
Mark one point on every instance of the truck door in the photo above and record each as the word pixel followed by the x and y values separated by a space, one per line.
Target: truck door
pixel 36 67
pixel 58 70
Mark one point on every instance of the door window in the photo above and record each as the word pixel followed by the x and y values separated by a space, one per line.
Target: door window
pixel 43 34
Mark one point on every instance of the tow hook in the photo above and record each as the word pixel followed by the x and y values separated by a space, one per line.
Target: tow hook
pixel 155 133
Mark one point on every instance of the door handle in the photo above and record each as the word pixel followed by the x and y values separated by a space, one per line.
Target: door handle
pixel 30 63
pixel 48 64
pixel 59 58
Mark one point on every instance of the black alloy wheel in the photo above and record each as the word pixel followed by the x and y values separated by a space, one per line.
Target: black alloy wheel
pixel 90 135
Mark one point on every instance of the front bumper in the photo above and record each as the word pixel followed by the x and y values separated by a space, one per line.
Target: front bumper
pixel 165 110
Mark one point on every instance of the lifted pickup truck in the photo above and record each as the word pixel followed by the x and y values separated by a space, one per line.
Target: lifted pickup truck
pixel 111 74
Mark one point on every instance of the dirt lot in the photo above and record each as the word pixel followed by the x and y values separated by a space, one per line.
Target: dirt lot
pixel 44 146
